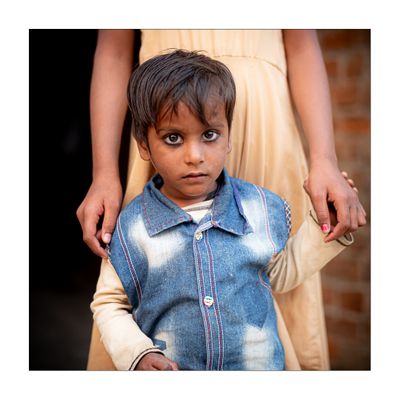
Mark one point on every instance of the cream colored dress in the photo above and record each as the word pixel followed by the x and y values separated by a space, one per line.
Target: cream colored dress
pixel 266 150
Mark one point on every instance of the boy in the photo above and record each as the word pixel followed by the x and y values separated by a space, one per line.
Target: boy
pixel 198 252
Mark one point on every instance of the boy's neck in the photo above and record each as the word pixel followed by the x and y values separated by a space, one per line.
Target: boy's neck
pixel 212 194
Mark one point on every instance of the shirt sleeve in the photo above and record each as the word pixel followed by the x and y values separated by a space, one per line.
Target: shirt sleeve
pixel 124 341
pixel 304 254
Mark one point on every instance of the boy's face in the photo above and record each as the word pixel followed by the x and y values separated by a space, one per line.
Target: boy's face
pixel 188 155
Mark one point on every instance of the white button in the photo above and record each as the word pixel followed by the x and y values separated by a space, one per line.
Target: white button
pixel 199 236
pixel 208 301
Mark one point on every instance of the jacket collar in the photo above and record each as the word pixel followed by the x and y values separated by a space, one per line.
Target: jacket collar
pixel 160 213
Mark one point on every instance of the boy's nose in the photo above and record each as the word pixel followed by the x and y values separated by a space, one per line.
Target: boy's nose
pixel 194 153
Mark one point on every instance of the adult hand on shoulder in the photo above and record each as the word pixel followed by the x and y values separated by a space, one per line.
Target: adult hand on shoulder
pixel 326 185
pixel 103 199
pixel 156 362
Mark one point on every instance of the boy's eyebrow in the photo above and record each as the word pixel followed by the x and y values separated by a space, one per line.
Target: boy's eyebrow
pixel 172 128
pixel 218 126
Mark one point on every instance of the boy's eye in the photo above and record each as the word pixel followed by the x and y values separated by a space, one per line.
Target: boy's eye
pixel 210 136
pixel 173 139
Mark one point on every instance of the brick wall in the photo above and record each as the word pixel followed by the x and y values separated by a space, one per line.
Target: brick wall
pixel 346 280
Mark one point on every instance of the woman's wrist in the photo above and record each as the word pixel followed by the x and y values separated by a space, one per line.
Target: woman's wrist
pixel 106 174
pixel 323 161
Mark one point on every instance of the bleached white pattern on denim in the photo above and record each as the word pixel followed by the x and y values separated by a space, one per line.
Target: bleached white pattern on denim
pixel 254 242
pixel 251 209
pixel 258 348
pixel 168 338
pixel 160 249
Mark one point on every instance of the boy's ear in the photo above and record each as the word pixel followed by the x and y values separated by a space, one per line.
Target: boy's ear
pixel 144 151
pixel 229 143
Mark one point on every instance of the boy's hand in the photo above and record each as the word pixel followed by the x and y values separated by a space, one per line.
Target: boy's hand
pixel 357 220
pixel 156 362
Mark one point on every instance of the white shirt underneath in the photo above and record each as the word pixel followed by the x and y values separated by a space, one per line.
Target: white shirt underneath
pixel 198 210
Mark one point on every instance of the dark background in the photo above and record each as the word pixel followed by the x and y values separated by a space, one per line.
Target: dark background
pixel 62 272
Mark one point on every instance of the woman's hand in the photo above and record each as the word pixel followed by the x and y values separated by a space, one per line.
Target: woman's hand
pixel 103 200
pixel 112 66
pixel 156 362
pixel 327 187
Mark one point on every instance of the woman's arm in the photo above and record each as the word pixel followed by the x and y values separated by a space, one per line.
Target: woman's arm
pixel 112 67
pixel 310 92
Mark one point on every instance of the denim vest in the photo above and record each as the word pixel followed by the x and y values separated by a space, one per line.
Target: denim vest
pixel 201 291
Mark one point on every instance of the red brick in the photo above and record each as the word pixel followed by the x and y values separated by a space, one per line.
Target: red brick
pixel 343 268
pixel 351 357
pixel 355 66
pixel 343 38
pixel 353 124
pixel 344 94
pixel 365 271
pixel 328 295
pixel 364 330
pixel 344 149
pixel 334 39
pixel 332 348
pixel 364 95
pixel 351 301
pixel 342 327
pixel 331 68
pixel 346 54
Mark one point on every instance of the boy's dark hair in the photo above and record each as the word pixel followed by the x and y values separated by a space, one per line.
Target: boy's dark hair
pixel 160 83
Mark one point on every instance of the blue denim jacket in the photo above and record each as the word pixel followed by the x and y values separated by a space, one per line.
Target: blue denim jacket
pixel 200 291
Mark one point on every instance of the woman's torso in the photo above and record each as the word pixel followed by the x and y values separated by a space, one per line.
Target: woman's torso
pixel 265 45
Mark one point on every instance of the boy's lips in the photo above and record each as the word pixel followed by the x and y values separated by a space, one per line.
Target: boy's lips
pixel 194 176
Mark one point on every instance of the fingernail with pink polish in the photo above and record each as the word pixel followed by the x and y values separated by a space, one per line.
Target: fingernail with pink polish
pixel 325 228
